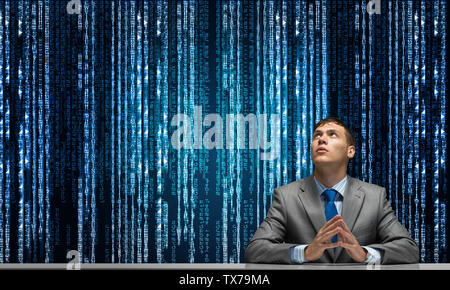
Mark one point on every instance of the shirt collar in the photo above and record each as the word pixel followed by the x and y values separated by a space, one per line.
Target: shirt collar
pixel 339 187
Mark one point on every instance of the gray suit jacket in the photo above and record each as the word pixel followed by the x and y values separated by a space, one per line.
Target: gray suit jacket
pixel 297 214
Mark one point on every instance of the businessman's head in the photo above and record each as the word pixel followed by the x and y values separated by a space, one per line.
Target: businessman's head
pixel 333 143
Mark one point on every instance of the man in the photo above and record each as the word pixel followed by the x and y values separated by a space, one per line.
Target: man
pixel 329 216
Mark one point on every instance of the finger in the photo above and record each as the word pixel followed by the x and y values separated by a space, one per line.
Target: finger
pixel 345 236
pixel 332 220
pixel 331 223
pixel 329 229
pixel 327 236
pixel 344 225
pixel 332 245
pixel 341 236
pixel 347 246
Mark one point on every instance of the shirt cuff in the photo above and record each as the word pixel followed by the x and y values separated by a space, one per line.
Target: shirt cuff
pixel 374 256
pixel 298 254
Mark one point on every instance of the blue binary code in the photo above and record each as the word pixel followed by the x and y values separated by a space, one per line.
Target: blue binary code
pixel 156 131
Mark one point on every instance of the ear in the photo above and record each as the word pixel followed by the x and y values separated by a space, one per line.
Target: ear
pixel 350 152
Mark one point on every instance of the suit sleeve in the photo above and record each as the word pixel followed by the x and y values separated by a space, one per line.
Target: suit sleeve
pixel 267 244
pixel 394 241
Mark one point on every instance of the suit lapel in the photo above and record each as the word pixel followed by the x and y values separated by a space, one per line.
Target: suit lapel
pixel 353 200
pixel 311 201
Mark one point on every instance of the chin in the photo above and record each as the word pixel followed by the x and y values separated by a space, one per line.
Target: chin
pixel 321 157
pixel 324 161
pixel 320 161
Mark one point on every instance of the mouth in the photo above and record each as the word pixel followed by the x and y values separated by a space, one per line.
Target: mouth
pixel 321 150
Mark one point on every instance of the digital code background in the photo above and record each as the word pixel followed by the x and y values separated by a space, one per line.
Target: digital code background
pixel 156 131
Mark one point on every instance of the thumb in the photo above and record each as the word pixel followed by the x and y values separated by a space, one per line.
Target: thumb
pixel 332 245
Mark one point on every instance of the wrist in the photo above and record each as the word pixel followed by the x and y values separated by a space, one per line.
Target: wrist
pixel 310 253
pixel 306 253
pixel 363 256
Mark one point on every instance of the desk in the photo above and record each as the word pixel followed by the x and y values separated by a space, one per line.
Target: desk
pixel 225 267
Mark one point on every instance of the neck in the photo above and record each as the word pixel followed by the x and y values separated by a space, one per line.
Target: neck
pixel 330 176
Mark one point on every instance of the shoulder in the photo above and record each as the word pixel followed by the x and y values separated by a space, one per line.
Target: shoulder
pixel 289 187
pixel 294 187
pixel 366 187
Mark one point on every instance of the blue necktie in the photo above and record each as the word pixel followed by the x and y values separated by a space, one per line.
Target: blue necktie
pixel 330 208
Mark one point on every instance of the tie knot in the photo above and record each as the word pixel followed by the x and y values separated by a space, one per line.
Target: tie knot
pixel 330 194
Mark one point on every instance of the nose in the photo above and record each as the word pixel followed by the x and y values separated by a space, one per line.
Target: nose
pixel 322 140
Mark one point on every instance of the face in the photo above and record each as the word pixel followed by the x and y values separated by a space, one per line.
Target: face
pixel 329 146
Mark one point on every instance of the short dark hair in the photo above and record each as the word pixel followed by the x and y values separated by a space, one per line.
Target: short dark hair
pixel 351 141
